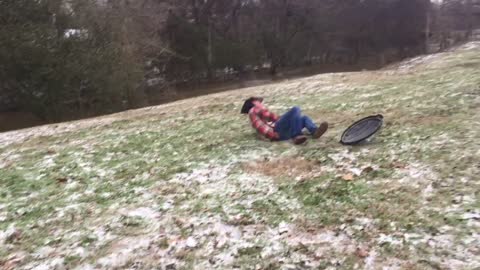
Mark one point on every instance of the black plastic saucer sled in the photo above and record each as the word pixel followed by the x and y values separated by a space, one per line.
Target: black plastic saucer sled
pixel 362 130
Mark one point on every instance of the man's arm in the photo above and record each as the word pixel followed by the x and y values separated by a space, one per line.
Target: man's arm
pixel 268 116
pixel 256 118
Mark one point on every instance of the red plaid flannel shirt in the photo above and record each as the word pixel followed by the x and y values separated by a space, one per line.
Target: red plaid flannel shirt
pixel 260 118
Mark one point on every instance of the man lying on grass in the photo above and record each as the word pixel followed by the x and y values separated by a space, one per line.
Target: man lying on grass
pixel 287 127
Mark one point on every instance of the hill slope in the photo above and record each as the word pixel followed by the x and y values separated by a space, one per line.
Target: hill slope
pixel 188 186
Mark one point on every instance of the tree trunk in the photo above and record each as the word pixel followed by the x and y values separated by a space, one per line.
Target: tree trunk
pixel 210 52
pixel 309 53
pixel 427 32
pixel 357 52
pixel 469 11
pixel 381 59
pixel 195 11
pixel 273 69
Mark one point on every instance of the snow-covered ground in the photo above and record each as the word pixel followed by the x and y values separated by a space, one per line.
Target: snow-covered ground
pixel 188 186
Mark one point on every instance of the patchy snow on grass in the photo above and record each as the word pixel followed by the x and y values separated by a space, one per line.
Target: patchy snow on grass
pixel 124 251
pixel 474 45
pixel 144 213
pixel 187 185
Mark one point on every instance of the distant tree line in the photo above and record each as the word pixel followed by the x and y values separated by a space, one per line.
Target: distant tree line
pixel 241 34
pixel 71 59
pixel 66 59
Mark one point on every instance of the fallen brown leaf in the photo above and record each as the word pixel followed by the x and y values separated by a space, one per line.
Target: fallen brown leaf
pixel 347 177
pixel 10 265
pixel 62 180
pixel 361 252
pixel 398 165
pixel 367 170
pixel 14 236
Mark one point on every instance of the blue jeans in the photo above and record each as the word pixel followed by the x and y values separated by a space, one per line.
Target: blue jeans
pixel 291 124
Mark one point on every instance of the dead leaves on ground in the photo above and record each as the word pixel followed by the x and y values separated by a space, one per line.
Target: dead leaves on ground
pixel 348 177
pixel 362 252
pixel 351 176
pixel 298 168
pixel 62 180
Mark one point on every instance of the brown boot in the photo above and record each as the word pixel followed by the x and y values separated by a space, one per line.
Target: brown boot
pixel 320 130
pixel 299 139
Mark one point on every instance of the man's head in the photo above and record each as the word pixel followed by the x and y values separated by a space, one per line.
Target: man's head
pixel 249 104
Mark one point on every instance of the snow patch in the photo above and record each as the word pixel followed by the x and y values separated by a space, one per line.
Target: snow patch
pixel 123 251
pixel 143 212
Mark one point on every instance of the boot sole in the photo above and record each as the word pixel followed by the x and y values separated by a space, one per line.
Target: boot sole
pixel 299 140
pixel 321 130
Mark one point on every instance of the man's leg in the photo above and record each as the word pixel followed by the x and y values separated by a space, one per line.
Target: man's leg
pixel 309 125
pixel 315 131
pixel 290 124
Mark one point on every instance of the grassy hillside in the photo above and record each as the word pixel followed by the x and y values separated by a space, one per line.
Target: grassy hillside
pixel 189 186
